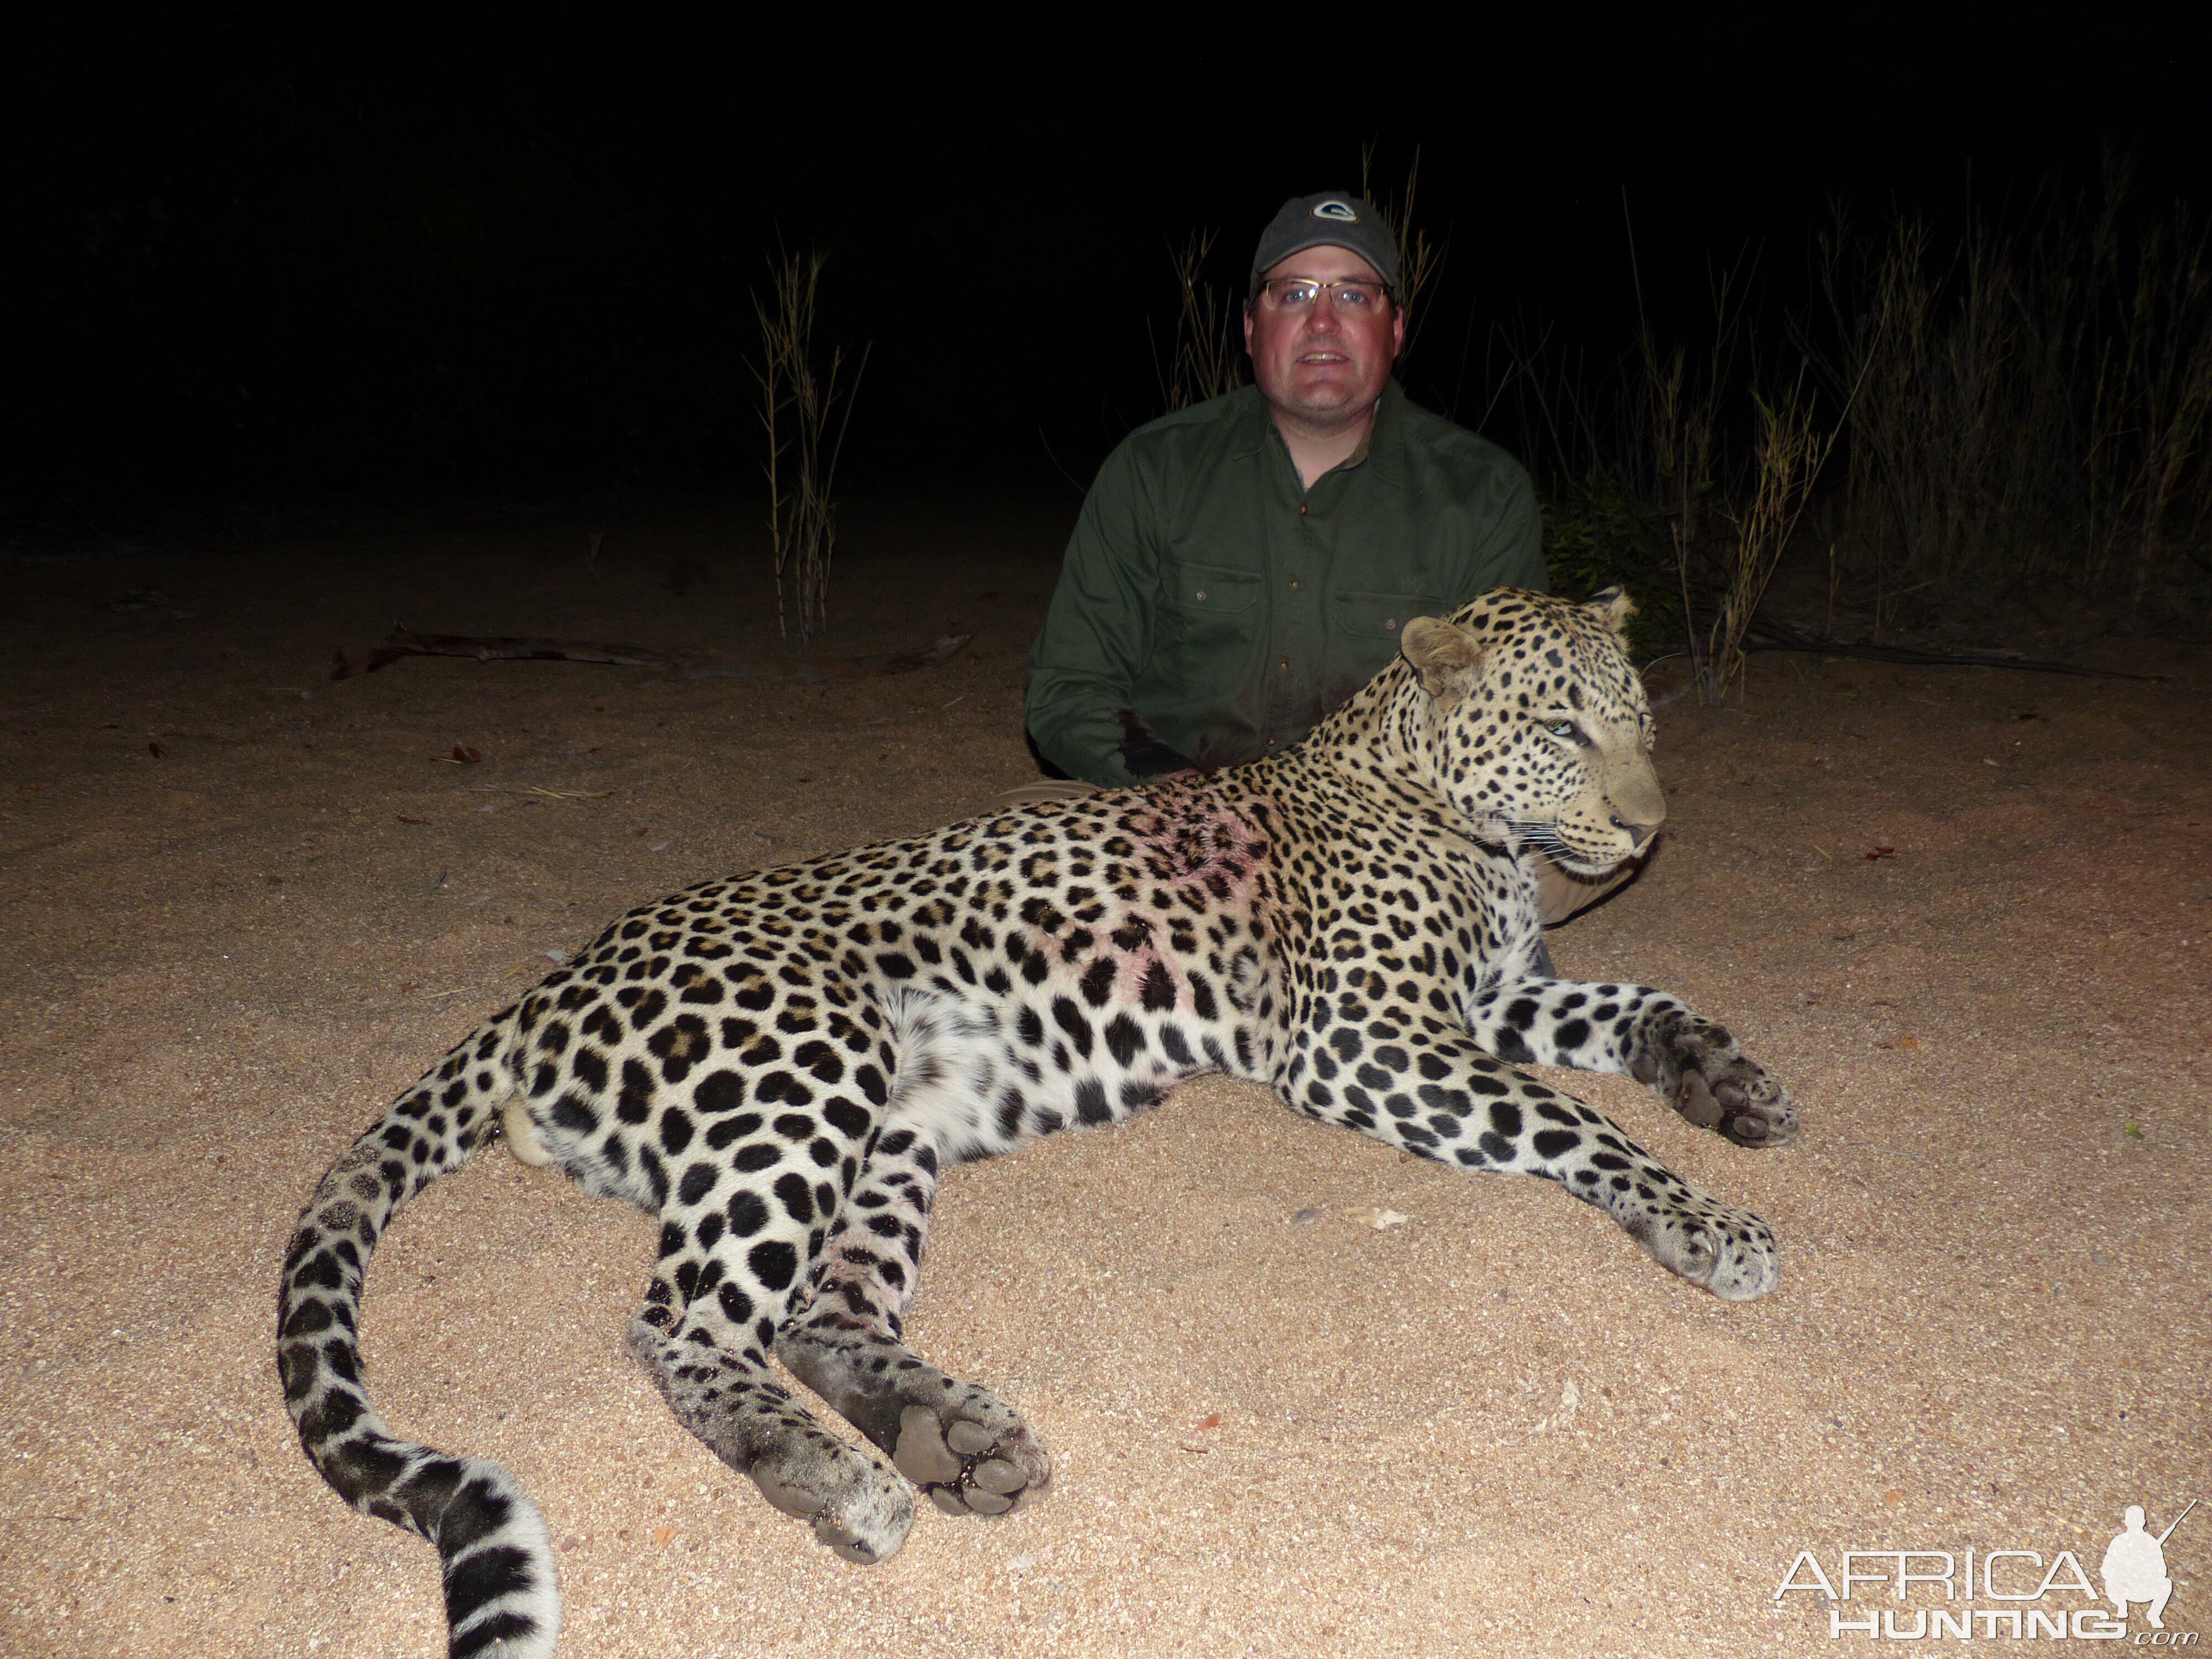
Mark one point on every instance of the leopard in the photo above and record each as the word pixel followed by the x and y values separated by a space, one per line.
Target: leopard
pixel 780 1066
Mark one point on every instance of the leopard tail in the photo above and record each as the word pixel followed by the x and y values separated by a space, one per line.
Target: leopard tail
pixel 501 1591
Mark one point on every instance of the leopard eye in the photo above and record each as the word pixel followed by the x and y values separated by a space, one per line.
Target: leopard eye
pixel 1562 729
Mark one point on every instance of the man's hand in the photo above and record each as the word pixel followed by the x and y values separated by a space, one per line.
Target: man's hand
pixel 1145 753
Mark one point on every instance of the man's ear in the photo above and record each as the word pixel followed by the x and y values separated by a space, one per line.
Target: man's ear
pixel 1611 606
pixel 1443 654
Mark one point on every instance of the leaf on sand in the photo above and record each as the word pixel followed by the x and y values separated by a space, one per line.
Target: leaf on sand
pixel 1379 1220
pixel 663 1534
pixel 465 755
pixel 1212 1421
pixel 571 794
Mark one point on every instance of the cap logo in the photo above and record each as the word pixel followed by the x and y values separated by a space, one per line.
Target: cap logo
pixel 1340 211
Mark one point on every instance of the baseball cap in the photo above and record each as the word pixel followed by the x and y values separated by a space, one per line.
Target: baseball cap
pixel 1334 218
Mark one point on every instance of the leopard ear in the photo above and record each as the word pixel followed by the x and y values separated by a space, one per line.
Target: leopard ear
pixel 1443 654
pixel 1611 606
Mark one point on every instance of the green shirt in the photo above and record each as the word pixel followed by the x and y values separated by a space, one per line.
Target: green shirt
pixel 1230 608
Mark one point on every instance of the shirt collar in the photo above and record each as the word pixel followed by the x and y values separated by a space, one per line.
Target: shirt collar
pixel 1255 423
pixel 1384 452
pixel 1382 449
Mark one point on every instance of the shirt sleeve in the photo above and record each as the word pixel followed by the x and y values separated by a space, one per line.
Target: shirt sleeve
pixel 1516 543
pixel 1084 666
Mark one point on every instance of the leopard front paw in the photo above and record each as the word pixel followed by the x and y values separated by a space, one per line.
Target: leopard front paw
pixel 1713 1084
pixel 1727 1251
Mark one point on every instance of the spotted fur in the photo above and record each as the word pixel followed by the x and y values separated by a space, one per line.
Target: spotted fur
pixel 780 1067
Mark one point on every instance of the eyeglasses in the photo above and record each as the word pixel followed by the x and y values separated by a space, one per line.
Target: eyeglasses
pixel 1348 296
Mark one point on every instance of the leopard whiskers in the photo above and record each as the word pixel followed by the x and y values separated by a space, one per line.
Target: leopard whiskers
pixel 1537 837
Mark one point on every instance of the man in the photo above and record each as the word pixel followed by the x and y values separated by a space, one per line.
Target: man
pixel 1242 567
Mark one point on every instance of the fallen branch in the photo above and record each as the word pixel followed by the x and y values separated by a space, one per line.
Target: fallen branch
pixel 807 671
pixel 1765 635
pixel 489 648
pixel 826 671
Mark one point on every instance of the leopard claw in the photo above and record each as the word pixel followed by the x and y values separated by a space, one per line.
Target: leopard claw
pixel 1758 1115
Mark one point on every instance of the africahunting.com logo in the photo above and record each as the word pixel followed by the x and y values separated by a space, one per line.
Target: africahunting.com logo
pixel 2026 1599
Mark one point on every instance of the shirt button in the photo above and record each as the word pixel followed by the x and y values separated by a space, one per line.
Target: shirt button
pixel 1390 623
pixel 1271 743
pixel 1294 584
pixel 1200 594
pixel 1284 665
pixel 1301 509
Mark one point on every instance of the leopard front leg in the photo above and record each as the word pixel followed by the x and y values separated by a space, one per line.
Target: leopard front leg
pixel 1406 1078
pixel 960 1443
pixel 1645 1034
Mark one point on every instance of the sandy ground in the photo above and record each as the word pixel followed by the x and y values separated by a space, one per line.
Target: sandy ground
pixel 243 906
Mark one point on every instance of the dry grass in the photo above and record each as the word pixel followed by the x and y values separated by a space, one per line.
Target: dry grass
pixel 2034 395
pixel 1207 359
pixel 1645 487
pixel 800 398
pixel 1420 261
pixel 1787 454
pixel 2023 406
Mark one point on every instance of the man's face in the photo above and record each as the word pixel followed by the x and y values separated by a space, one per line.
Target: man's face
pixel 1323 364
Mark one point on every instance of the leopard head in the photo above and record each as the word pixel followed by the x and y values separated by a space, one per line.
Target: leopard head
pixel 1539 730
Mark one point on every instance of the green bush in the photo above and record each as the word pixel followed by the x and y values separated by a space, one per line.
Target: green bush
pixel 1596 537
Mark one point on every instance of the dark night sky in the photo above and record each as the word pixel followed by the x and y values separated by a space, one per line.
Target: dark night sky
pixel 277 254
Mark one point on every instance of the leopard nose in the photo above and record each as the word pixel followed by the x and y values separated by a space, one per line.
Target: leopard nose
pixel 1639 835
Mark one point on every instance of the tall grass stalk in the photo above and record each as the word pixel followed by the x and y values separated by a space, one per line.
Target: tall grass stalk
pixel 1207 359
pixel 1672 415
pixel 1420 261
pixel 2149 481
pixel 1788 451
pixel 1634 459
pixel 800 397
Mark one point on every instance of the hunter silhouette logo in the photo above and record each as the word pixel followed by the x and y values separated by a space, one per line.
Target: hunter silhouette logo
pixel 1342 212
pixel 2135 1566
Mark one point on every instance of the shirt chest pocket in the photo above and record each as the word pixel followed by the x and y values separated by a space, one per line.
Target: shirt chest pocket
pixel 1205 590
pixel 1375 616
